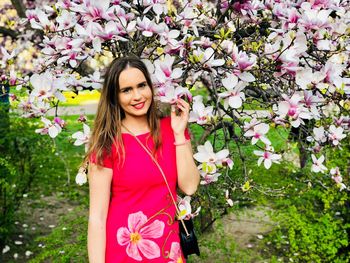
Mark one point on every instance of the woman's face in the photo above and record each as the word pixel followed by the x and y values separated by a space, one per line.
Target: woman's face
pixel 135 96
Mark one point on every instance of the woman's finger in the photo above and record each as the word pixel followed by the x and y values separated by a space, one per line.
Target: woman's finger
pixel 184 103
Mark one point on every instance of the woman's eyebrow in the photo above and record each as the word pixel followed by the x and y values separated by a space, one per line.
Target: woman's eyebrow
pixel 129 87
pixel 141 83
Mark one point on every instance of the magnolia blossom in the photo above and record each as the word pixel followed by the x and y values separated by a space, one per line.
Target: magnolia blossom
pixel 6 56
pixel 82 137
pixel 81 178
pixel 184 206
pixel 200 114
pixel 293 109
pixel 317 165
pixel 13 78
pixel 40 20
pixel 46 86
pixel 243 63
pixel 165 76
pixel 50 128
pixel 95 10
pixel 158 6
pixel 305 77
pixel 228 199
pixel 319 135
pixel 169 94
pixel 66 20
pixel 267 156
pixel 146 26
pixel 258 133
pixel 311 102
pixel 207 58
pixel 234 96
pixel 338 179
pixel 335 134
pixel 209 159
pixel 209 178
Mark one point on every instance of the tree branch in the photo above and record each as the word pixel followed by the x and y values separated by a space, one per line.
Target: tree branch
pixel 8 32
pixel 19 6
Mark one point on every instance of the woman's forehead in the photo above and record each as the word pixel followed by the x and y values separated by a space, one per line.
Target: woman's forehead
pixel 130 77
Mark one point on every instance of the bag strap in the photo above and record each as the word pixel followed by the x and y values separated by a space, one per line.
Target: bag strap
pixel 164 177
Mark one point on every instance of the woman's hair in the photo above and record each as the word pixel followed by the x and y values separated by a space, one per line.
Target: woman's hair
pixel 107 125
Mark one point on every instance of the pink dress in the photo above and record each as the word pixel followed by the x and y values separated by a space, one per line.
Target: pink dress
pixel 140 223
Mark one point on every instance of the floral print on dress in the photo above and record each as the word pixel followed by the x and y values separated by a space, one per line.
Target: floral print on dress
pixel 137 236
pixel 175 253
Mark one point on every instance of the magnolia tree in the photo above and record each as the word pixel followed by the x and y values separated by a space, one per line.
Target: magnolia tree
pixel 246 66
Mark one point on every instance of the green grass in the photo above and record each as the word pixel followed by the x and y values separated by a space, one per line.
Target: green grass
pixel 277 189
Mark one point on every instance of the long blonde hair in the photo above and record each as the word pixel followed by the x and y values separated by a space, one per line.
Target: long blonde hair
pixel 108 121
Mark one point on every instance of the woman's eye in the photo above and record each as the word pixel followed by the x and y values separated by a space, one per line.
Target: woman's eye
pixel 126 90
pixel 142 85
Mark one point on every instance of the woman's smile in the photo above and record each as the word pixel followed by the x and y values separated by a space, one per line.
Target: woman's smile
pixel 139 106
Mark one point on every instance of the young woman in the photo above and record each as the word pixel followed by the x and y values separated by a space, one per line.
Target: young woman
pixel 131 215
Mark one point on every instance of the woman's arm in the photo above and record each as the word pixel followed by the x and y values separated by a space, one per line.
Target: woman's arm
pixel 187 172
pixel 100 186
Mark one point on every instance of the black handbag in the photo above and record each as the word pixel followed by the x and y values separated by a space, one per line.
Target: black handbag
pixel 189 244
pixel 188 239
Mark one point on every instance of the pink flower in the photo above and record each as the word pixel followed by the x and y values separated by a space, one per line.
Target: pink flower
pixel 175 253
pixel 137 235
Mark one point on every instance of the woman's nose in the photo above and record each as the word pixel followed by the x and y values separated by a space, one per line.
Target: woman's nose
pixel 137 94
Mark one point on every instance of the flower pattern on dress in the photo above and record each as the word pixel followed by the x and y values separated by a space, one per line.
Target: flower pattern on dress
pixel 175 253
pixel 137 236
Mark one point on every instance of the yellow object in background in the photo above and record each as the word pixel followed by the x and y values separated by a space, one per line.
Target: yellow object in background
pixel 84 97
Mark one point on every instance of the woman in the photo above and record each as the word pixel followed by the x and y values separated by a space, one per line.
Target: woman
pixel 131 215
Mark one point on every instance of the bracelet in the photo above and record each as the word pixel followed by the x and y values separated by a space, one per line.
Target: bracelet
pixel 181 143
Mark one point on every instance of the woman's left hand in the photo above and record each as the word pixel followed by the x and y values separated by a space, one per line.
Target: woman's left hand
pixel 179 122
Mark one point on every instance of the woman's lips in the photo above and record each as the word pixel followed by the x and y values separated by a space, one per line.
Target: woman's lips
pixel 139 105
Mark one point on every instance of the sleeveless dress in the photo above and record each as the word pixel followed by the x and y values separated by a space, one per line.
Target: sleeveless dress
pixel 140 223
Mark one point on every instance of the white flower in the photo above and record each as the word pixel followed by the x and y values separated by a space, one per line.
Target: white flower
pixel 258 133
pixel 82 137
pixel 81 178
pixel 336 134
pixel 267 156
pixel 209 178
pixel 200 113
pixel 317 165
pixel 28 253
pixel 293 109
pixel 208 158
pixel 184 207
pixel 228 200
pixel 5 249
pixel 52 129
pixel 319 134
pixel 234 96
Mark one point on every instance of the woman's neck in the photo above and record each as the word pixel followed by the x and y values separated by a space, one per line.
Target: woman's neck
pixel 135 125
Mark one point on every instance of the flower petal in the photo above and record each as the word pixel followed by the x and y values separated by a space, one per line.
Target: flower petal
pixel 123 236
pixel 175 251
pixel 154 230
pixel 136 220
pixel 133 252
pixel 149 248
